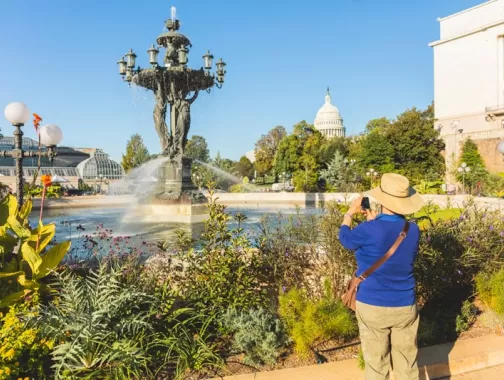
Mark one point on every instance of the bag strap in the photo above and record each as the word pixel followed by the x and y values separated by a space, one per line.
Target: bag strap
pixel 387 255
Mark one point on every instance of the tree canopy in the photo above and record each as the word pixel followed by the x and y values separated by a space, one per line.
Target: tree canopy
pixel 244 167
pixel 136 153
pixel 266 148
pixel 197 149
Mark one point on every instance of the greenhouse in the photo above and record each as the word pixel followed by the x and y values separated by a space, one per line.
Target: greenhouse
pixel 100 165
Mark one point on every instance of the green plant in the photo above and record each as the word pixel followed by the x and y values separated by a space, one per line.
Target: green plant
pixel 312 321
pixel 237 188
pixel 99 325
pixel 467 317
pixel 225 272
pixel 32 261
pixel 53 191
pixel 24 352
pixel 491 290
pixel 189 345
pixel 258 333
pixel 361 363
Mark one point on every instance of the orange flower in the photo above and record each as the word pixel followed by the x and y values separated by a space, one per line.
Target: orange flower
pixel 36 121
pixel 46 180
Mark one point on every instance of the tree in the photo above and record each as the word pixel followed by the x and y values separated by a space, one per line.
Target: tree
pixel 244 167
pixel 335 173
pixel 380 124
pixel 331 146
pixel 197 149
pixel 136 153
pixel 266 148
pixel 471 157
pixel 416 144
pixel 376 152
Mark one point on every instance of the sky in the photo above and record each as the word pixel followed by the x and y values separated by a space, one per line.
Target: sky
pixel 59 57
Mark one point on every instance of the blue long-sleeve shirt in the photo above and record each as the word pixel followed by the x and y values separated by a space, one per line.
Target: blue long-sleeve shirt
pixel 393 284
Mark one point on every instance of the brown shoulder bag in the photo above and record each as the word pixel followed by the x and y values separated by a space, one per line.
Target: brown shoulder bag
pixel 350 297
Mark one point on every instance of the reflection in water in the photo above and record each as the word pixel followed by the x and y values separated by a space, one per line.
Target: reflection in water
pixel 75 224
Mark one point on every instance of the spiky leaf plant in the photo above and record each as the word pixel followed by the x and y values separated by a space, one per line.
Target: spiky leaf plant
pixel 99 325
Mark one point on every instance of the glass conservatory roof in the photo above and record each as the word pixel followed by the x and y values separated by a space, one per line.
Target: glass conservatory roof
pixel 99 164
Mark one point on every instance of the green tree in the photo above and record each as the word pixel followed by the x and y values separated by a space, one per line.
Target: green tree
pixel 335 173
pixel 381 124
pixel 471 157
pixel 197 149
pixel 244 167
pixel 375 152
pixel 416 144
pixel 331 146
pixel 306 177
pixel 266 148
pixel 136 153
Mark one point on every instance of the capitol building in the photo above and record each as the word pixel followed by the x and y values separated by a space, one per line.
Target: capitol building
pixel 329 121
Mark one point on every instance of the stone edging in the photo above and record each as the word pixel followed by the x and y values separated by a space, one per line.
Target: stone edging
pixel 435 362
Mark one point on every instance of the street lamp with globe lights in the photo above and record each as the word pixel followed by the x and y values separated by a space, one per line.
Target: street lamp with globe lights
pixel 463 169
pixel 372 174
pixel 18 114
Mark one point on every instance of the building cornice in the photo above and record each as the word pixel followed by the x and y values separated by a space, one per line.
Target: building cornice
pixel 474 31
pixel 440 19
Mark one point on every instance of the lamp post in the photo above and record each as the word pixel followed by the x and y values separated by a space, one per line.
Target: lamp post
pixel 372 174
pixel 463 169
pixel 50 135
pixel 178 86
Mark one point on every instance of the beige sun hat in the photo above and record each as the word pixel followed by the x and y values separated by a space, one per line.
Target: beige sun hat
pixel 396 194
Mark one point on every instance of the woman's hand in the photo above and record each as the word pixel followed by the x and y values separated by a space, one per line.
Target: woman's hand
pixel 356 206
pixel 370 215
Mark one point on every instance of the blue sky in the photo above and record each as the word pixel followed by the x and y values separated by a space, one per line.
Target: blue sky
pixel 59 57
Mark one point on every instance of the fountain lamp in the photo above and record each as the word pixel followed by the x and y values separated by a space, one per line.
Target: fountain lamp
pixel 50 135
pixel 176 85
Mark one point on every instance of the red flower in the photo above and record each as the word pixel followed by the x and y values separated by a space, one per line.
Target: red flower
pixel 46 180
pixel 36 121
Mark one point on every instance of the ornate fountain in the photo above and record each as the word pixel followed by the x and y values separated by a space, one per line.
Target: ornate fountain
pixel 178 86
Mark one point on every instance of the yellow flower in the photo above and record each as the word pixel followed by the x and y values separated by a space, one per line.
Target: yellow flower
pixel 26 378
pixel 9 355
pixel 16 364
pixel 7 371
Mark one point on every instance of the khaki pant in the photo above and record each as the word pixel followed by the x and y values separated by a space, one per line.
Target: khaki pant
pixel 387 332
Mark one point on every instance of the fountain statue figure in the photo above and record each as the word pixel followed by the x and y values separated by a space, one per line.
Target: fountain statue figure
pixel 178 86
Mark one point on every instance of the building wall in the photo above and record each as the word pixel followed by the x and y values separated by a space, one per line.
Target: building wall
pixel 469 78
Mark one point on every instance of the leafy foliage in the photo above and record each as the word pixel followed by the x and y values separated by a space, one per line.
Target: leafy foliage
pixel 310 321
pixel 258 333
pixel 32 261
pixel 490 287
pixel 335 174
pixel 197 149
pixel 474 161
pixel 266 148
pixel 136 153
pixel 24 352
pixel 244 167
pixel 467 317
pixel 99 324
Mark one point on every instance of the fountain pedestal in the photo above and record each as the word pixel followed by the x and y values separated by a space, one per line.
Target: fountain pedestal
pixel 176 199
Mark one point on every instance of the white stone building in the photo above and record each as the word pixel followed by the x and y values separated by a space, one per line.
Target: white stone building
pixel 469 81
pixel 328 120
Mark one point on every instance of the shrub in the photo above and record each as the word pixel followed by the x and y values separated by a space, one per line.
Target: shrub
pixel 491 290
pixel 226 271
pixel 189 345
pixel 24 352
pixel 467 317
pixel 310 321
pixel 258 333
pixel 99 324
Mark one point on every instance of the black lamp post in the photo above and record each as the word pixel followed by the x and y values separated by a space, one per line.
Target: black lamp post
pixel 50 136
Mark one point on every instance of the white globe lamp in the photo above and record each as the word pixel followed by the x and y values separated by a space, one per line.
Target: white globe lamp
pixel 50 135
pixel 17 113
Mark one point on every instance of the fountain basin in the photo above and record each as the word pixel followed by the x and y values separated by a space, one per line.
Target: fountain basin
pixel 167 213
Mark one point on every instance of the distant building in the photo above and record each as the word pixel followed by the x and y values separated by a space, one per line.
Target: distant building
pixel 66 164
pixel 328 120
pixel 469 81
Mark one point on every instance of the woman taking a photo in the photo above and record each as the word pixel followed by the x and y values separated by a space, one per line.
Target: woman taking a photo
pixel 386 306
